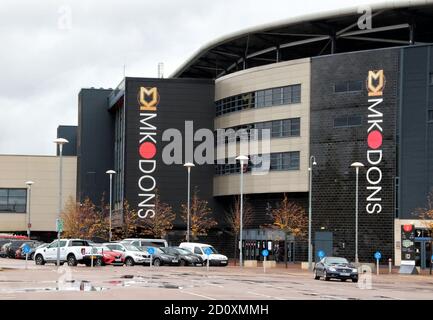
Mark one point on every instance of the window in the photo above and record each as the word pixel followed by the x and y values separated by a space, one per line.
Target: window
pixel 78 243
pixel 347 86
pixel 430 116
pixel 13 200
pixel 347 121
pixel 259 99
pixel 279 161
pixel 197 250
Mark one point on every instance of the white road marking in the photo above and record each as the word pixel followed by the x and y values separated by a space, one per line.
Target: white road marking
pixel 198 295
pixel 264 295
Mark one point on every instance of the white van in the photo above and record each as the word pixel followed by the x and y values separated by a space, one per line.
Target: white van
pixel 215 259
pixel 138 242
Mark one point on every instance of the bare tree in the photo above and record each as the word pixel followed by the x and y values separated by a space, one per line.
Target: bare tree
pixel 291 219
pixel 233 219
pixel 200 216
pixel 162 222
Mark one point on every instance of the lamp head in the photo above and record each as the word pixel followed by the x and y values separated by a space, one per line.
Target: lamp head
pixel 189 165
pixel 357 165
pixel 60 141
pixel 110 172
pixel 29 183
pixel 242 158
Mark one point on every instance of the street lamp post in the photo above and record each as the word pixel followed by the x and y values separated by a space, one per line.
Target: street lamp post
pixel 29 195
pixel 310 172
pixel 242 159
pixel 356 165
pixel 110 172
pixel 60 142
pixel 188 165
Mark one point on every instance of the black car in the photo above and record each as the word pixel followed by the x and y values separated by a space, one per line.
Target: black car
pixel 160 258
pixel 13 247
pixel 185 257
pixel 335 268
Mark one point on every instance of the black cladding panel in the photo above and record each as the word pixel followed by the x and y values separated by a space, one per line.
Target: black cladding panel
pixel 337 147
pixel 95 146
pixel 180 100
pixel 69 133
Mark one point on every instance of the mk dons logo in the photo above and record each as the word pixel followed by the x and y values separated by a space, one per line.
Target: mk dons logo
pixel 148 98
pixel 375 83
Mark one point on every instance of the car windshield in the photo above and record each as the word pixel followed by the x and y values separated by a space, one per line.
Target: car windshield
pixel 336 261
pixel 183 251
pixel 212 249
pixel 131 248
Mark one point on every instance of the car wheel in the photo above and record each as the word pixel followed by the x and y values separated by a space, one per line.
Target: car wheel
pixel 316 276
pixel 98 262
pixel 129 262
pixel 72 261
pixel 157 262
pixel 355 280
pixel 39 260
pixel 325 275
pixel 182 263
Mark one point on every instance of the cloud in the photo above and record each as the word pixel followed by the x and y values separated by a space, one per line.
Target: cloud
pixel 52 49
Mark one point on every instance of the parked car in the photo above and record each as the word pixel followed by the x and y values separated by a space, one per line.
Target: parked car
pixel 33 246
pixel 4 249
pixel 215 259
pixel 335 268
pixel 140 243
pixel 111 257
pixel 185 257
pixel 13 247
pixel 72 251
pixel 160 258
pixel 133 255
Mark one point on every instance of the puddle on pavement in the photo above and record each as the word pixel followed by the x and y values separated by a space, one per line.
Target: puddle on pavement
pixel 146 282
pixel 67 286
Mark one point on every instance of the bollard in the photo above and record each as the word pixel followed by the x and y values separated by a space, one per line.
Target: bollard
pixel 390 265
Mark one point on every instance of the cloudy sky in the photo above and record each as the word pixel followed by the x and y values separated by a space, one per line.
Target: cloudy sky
pixel 51 49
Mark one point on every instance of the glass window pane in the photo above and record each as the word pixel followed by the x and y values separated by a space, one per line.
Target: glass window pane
pixel 17 192
pixel 355 85
pixel 340 86
pixel 276 129
pixel 260 99
pixel 295 127
pixel 296 94
pixel 355 120
pixel 287 95
pixel 268 98
pixel 277 96
pixel 340 122
pixel 294 160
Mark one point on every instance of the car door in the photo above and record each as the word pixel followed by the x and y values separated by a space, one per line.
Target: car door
pixel 197 250
pixel 51 251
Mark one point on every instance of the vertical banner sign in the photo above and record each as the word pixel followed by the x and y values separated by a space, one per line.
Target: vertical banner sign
pixel 408 244
pixel 375 87
pixel 148 100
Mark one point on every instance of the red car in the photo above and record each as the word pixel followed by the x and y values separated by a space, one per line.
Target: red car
pixel 111 257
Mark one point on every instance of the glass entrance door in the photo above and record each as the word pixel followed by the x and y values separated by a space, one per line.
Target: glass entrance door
pixel 423 253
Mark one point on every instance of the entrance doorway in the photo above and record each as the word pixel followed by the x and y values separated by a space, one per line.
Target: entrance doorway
pixel 423 252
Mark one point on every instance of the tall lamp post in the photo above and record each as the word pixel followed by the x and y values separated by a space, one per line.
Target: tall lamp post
pixel 60 142
pixel 29 196
pixel 188 165
pixel 310 172
pixel 356 165
pixel 243 160
pixel 110 172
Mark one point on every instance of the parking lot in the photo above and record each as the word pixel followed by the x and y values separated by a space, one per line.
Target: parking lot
pixel 185 283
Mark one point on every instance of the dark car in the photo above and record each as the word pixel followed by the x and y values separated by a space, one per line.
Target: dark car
pixel 32 244
pixel 13 247
pixel 335 268
pixel 185 257
pixel 160 258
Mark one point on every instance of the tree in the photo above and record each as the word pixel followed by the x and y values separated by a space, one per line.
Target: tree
pixel 426 215
pixel 130 224
pixel 291 219
pixel 233 219
pixel 200 216
pixel 163 220
pixel 84 220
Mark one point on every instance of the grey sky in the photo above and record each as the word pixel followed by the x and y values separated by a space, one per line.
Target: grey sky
pixel 51 49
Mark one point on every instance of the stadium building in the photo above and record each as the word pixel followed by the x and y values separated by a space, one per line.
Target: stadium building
pixel 330 87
